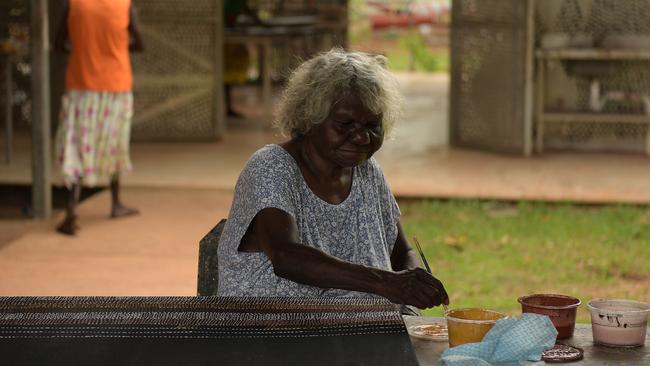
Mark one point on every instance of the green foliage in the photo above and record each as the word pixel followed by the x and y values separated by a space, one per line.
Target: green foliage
pixel 399 45
pixel 490 253
pixel 423 57
pixel 399 61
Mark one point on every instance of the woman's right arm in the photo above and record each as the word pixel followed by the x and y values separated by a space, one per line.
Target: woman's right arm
pixel 278 237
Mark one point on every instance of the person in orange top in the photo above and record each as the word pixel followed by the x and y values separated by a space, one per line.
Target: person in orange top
pixel 92 142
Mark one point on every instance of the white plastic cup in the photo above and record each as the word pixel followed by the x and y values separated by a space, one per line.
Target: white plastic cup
pixel 619 323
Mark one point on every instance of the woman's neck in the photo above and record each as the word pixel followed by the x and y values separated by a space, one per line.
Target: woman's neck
pixel 319 165
pixel 326 180
pixel 311 162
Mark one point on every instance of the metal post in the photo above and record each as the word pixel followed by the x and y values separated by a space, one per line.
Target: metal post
pixel 8 113
pixel 529 67
pixel 267 87
pixel 41 188
pixel 539 103
pixel 453 131
pixel 219 105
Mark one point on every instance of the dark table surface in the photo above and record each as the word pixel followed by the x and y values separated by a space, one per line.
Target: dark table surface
pixel 428 352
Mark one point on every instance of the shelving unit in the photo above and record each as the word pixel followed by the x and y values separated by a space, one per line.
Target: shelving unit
pixel 543 116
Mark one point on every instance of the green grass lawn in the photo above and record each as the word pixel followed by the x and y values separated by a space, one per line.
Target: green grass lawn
pixel 438 61
pixel 489 253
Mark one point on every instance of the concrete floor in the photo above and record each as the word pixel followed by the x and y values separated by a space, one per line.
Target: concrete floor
pixel 154 253
pixel 183 189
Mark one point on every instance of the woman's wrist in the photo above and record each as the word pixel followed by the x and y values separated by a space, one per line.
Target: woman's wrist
pixel 380 279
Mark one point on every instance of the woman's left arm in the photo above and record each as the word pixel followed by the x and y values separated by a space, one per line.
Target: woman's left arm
pixel 61 43
pixel 403 256
pixel 135 44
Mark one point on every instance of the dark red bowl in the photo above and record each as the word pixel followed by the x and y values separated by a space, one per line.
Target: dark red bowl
pixel 560 308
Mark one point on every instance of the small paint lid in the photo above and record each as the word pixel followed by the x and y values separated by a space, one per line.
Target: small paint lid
pixel 431 332
pixel 562 353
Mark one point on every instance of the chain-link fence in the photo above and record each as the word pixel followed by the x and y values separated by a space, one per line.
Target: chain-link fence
pixel 615 89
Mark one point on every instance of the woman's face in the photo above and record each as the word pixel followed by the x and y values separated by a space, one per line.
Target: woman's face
pixel 350 135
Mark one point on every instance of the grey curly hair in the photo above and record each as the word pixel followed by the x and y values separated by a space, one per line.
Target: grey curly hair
pixel 321 81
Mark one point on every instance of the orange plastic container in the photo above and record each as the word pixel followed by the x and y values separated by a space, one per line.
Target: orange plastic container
pixel 470 325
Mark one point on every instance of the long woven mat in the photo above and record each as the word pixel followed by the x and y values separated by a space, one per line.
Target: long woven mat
pixel 202 330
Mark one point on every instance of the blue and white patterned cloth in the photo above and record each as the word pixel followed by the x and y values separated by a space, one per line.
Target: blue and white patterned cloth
pixel 362 229
pixel 510 342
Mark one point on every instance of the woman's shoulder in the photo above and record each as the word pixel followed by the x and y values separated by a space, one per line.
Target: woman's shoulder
pixel 373 164
pixel 271 153
pixel 270 159
pixel 269 176
pixel 371 168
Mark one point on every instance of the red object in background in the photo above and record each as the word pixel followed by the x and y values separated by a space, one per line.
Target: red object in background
pixel 391 17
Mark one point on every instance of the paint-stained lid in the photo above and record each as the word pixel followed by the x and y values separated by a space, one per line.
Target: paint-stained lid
pixel 562 353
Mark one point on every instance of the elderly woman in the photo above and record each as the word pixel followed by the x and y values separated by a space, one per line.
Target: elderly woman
pixel 314 216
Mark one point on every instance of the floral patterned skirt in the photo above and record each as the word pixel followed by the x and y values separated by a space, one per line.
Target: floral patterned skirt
pixel 92 141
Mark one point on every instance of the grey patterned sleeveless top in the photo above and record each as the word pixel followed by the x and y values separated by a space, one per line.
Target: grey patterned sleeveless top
pixel 362 229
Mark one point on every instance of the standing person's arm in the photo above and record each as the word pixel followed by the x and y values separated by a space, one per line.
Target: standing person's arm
pixel 135 38
pixel 61 41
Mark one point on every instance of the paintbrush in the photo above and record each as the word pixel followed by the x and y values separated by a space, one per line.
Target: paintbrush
pixel 426 264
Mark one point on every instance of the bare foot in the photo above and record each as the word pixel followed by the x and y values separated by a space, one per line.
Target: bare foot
pixel 123 211
pixel 68 226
